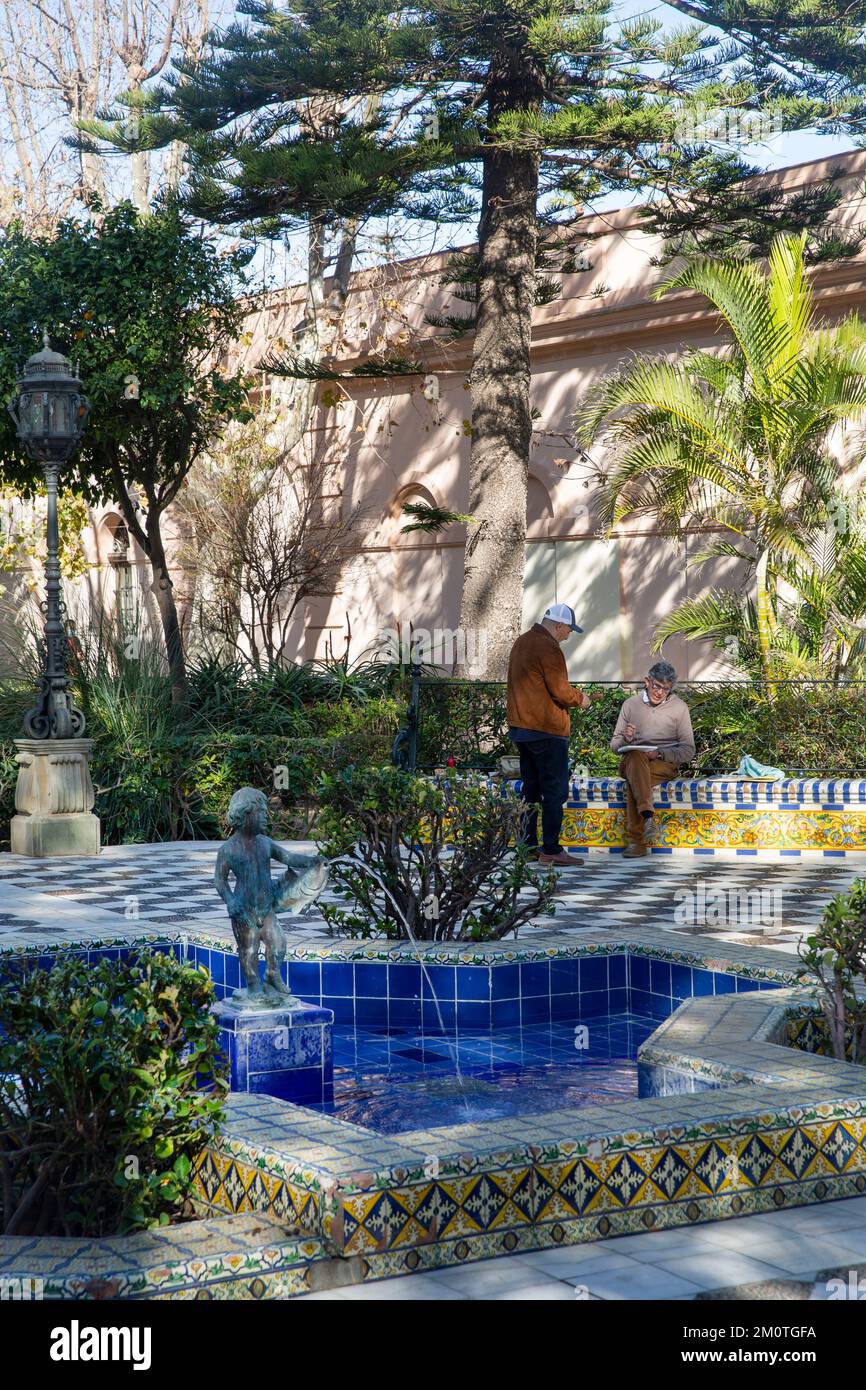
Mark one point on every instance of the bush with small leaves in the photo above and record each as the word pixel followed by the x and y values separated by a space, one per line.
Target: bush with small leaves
pixel 836 958
pixel 111 1082
pixel 434 860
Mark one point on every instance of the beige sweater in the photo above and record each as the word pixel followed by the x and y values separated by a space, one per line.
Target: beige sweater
pixel 668 726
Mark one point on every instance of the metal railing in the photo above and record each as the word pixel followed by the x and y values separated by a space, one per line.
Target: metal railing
pixel 809 728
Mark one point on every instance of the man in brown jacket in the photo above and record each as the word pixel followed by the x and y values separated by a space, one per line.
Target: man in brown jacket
pixel 661 720
pixel 539 699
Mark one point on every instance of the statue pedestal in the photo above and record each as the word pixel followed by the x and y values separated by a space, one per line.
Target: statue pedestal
pixel 283 1051
pixel 54 798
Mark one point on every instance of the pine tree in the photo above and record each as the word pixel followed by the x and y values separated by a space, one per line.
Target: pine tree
pixel 519 113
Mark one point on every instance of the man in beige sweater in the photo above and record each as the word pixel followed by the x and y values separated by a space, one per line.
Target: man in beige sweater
pixel 660 719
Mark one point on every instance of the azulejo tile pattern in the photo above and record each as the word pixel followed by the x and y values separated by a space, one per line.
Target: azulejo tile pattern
pixel 200 1258
pixel 710 814
pixel 787 1132
pixel 808 1030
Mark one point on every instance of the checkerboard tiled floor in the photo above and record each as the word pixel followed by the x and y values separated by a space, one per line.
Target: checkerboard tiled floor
pixel 760 901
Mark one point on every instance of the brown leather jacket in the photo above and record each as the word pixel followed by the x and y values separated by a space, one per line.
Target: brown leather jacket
pixel 539 691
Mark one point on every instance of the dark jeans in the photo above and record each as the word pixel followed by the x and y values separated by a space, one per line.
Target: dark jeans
pixel 544 771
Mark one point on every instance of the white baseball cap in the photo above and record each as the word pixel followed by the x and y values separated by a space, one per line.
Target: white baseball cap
pixel 561 613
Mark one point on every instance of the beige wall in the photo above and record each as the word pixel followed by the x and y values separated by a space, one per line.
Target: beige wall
pixel 393 442
pixel 389 444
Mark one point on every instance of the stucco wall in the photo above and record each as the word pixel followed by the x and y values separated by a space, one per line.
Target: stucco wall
pixel 390 444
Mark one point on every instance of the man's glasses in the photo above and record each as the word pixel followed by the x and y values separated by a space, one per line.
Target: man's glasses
pixel 658 686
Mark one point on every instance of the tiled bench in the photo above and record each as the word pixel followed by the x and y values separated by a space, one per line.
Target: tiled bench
pixel 707 814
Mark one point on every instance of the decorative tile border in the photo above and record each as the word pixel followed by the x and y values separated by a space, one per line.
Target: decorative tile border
pixel 497 984
pixel 710 953
pixel 705 814
pixel 206 1257
pixel 756 1126
pixel 698 828
pixel 706 792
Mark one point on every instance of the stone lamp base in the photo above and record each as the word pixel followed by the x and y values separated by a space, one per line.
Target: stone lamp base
pixel 54 798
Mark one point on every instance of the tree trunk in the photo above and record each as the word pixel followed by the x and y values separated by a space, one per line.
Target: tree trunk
pixel 163 591
pixel 500 381
pixel 764 618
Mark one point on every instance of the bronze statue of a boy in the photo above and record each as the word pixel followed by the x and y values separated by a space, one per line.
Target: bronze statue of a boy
pixel 256 898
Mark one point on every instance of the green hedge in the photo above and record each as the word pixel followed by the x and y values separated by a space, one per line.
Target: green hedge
pixel 180 789
pixel 152 785
pixel 807 728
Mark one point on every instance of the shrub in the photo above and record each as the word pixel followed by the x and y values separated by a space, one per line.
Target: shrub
pixel 110 1084
pixel 163 772
pixel 836 958
pixel 178 786
pixel 161 776
pixel 809 729
pixel 433 860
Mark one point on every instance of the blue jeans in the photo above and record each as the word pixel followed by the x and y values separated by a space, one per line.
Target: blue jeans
pixel 544 772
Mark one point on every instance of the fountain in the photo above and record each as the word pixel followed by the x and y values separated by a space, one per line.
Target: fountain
pixel 275 1043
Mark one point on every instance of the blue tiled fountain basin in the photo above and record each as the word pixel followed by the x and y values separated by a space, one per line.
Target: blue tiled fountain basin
pixel 399 1081
pixel 509 1026
pixel 397 995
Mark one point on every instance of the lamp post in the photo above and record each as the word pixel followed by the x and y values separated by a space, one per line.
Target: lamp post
pixel 54 795
pixel 49 413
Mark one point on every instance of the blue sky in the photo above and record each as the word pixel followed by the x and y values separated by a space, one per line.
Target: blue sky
pixel 793 147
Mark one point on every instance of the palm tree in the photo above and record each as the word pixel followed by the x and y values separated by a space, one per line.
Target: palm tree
pixel 737 442
pixel 818 622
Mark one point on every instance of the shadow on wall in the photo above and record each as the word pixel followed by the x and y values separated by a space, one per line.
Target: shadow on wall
pixel 585 574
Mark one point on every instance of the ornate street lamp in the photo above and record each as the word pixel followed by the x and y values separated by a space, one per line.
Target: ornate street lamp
pixel 49 413
pixel 54 795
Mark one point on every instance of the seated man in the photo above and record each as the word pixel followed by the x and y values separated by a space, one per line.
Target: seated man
pixel 661 719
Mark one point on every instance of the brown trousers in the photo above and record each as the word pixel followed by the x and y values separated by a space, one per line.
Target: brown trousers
pixel 641 775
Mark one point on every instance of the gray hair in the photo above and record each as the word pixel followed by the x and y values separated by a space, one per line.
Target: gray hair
pixel 244 803
pixel 662 671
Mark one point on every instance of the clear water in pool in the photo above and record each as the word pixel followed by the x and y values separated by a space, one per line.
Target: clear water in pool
pixel 394 1082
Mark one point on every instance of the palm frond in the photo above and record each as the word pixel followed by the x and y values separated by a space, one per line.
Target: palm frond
pixel 430 519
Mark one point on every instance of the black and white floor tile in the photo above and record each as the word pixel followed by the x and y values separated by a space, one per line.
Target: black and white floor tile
pixel 768 902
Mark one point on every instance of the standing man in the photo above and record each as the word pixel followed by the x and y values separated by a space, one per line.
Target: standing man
pixel 539 699
pixel 661 719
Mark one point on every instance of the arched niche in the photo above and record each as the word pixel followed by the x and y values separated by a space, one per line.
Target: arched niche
pixel 395 520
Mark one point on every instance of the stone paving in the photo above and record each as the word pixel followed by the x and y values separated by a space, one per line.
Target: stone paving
pixel 762 901
pixel 779 1255
pixel 758 900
